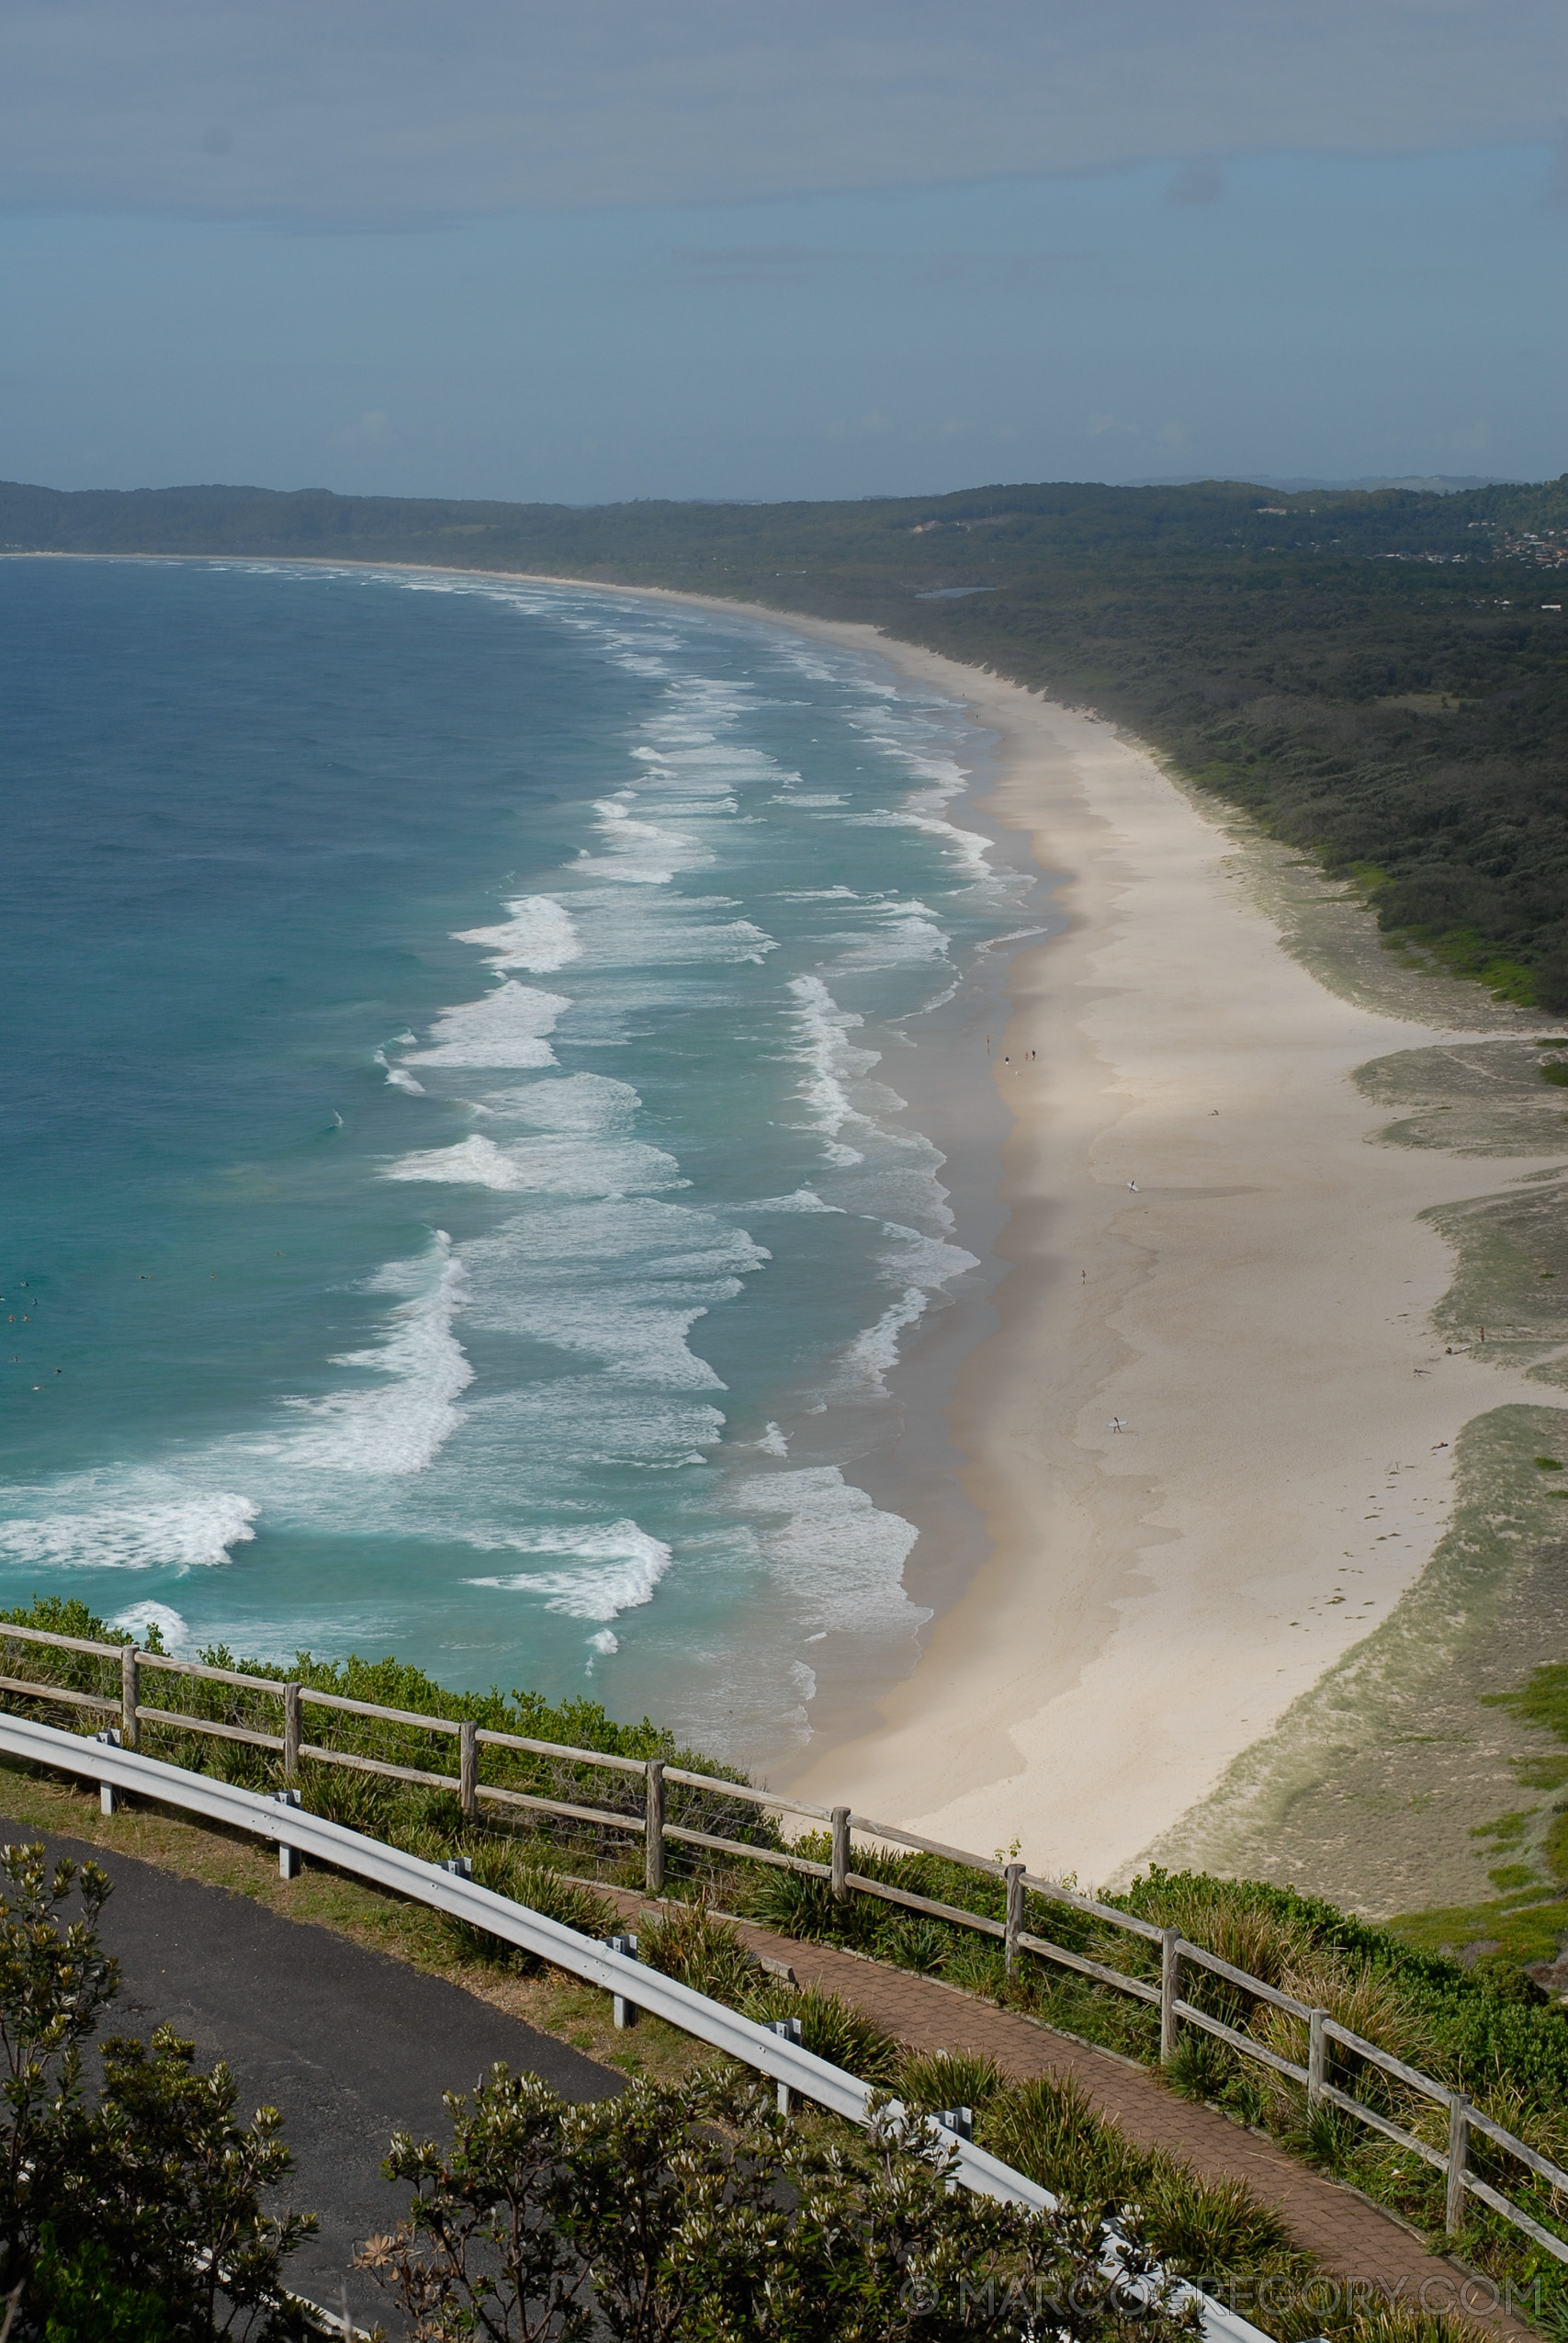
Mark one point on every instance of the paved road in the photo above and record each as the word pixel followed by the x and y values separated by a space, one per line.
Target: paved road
pixel 348 2044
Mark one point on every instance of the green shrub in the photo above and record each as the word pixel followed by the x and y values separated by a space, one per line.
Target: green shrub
pixel 1199 2067
pixel 510 1870
pixel 1209 2224
pixel 830 2028
pixel 927 2081
pixel 705 1954
pixel 1050 2130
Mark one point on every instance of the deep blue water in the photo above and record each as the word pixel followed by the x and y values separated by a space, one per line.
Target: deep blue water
pixel 455 1200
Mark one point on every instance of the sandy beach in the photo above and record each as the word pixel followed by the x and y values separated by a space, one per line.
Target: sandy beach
pixel 1214 1362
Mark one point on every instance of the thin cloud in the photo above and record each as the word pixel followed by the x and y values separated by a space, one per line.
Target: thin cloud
pixel 752 264
pixel 404 112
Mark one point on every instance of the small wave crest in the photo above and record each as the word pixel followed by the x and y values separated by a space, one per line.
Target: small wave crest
pixel 399 1076
pixel 506 1027
pixel 841 1556
pixel 161 1530
pixel 618 1566
pixel 539 935
pixel 561 1166
pixel 400 1424
pixel 591 1104
pixel 140 1619
pixel 832 1060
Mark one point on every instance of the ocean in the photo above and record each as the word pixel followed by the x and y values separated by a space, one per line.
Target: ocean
pixel 463 1196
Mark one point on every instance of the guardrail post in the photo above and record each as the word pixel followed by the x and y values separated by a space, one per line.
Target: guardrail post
pixel 129 1695
pixel 468 1769
pixel 1169 1991
pixel 653 1867
pixel 290 1731
pixel 1459 2158
pixel 288 1858
pixel 109 1736
pixel 787 2029
pixel 1014 1877
pixel 623 2010
pixel 1317 2057
pixel 841 1854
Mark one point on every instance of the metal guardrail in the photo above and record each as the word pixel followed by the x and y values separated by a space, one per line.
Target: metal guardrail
pixel 745 2040
pixel 653 1826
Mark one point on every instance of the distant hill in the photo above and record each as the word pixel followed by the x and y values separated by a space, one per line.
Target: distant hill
pixel 1378 674
pixel 1424 483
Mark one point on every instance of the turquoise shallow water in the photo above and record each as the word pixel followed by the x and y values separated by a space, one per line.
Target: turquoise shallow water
pixel 458 1198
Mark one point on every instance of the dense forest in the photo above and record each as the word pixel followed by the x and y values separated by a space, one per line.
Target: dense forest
pixel 1380 677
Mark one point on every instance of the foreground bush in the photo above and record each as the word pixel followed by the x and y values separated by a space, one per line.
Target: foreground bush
pixel 133 2213
pixel 697 2213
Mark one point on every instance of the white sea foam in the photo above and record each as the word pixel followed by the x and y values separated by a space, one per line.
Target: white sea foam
pixel 141 1618
pixel 800 1200
pixel 904 933
pixel 562 1166
pixel 650 927
pixel 832 1060
pixel 623 1280
pixel 539 935
pixel 618 1568
pixel 506 1027
pixel 928 1262
pixel 147 1522
pixel 772 1441
pixel 841 1557
pixel 584 1420
pixel 639 854
pixel 871 1356
pixel 398 1424
pixel 591 1104
pixel 399 1076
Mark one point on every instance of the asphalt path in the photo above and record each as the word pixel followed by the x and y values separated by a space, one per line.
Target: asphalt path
pixel 349 2044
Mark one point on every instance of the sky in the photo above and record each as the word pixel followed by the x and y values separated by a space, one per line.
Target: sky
pixel 779 248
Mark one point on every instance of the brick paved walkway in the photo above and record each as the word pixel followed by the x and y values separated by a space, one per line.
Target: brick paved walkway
pixel 1350 2236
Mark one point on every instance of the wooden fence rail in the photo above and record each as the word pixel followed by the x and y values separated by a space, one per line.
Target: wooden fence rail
pixel 651 1823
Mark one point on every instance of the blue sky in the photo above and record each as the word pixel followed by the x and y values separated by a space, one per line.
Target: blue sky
pixel 779 252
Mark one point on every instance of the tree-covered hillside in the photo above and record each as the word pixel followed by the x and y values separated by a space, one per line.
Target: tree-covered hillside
pixel 1374 675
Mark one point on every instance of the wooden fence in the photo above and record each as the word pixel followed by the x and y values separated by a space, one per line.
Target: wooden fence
pixel 644 1788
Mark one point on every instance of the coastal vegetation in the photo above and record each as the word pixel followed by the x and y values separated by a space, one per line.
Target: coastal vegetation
pixel 1380 678
pixel 1487 2029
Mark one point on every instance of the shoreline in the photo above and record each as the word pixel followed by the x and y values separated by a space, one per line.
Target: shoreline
pixel 1255 1311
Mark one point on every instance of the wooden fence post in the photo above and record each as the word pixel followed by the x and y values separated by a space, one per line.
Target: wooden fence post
pixel 653 1871
pixel 1459 2158
pixel 841 1854
pixel 290 1731
pixel 1317 2057
pixel 468 1769
pixel 1014 1877
pixel 1169 1992
pixel 130 1695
